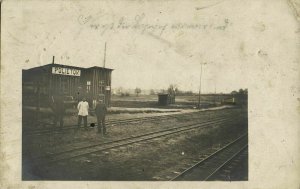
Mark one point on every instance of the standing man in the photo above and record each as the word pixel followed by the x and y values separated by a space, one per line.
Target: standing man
pixel 100 111
pixel 83 112
pixel 58 108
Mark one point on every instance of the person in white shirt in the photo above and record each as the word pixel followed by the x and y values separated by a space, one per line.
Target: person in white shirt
pixel 83 112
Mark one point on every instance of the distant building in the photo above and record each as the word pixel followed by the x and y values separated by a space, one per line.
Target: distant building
pixel 165 99
pixel 40 83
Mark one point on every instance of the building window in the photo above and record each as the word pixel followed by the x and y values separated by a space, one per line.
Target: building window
pixel 101 86
pixel 101 82
pixel 88 86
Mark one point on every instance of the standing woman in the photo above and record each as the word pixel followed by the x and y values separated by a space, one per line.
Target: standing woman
pixel 83 112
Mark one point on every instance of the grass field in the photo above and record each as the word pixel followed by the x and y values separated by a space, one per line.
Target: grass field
pixel 191 101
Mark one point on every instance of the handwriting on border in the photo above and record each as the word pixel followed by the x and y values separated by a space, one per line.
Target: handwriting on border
pixel 138 24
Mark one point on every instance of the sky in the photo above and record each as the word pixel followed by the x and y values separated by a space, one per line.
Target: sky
pixel 149 45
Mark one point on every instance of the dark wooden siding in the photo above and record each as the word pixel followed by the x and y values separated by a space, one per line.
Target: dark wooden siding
pixel 100 78
pixel 50 84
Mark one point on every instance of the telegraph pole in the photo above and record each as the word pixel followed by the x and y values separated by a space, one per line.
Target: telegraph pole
pixel 104 55
pixel 199 100
pixel 215 93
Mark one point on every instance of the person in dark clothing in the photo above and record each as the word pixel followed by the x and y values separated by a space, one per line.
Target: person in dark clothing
pixel 100 111
pixel 58 109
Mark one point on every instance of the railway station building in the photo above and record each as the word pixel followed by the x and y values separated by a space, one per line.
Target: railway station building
pixel 39 84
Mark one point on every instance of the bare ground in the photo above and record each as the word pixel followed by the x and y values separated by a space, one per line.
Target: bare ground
pixel 159 159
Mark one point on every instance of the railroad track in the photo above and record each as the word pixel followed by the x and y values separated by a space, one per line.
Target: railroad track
pixel 207 168
pixel 110 123
pixel 235 169
pixel 85 150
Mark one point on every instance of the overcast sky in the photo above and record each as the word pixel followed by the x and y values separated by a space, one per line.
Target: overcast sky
pixel 150 45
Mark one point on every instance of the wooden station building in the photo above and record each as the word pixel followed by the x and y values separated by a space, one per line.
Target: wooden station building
pixel 39 84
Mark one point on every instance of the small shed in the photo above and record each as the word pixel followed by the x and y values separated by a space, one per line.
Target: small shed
pixel 165 99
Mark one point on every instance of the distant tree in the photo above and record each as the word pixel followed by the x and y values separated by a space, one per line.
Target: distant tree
pixel 162 91
pixel 119 90
pixel 173 89
pixel 137 91
pixel 234 92
pixel 243 91
pixel 123 94
pixel 189 93
pixel 152 92
pixel 240 92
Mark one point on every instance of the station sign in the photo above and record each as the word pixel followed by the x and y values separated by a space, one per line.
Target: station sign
pixel 66 71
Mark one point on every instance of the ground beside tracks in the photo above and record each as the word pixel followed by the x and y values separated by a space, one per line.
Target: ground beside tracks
pixel 158 159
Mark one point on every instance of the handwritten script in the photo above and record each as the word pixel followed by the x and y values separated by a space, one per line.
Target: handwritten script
pixel 139 24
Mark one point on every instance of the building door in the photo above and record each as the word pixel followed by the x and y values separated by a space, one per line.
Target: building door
pixel 65 86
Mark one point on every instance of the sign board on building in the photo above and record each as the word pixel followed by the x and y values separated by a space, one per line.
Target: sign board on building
pixel 107 88
pixel 66 71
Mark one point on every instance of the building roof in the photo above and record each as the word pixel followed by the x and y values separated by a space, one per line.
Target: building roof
pixel 66 66
pixel 99 67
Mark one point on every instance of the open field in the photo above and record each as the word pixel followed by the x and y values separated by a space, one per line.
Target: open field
pixel 181 101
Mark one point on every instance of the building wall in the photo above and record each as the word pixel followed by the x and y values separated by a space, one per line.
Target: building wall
pixel 40 83
pixel 96 80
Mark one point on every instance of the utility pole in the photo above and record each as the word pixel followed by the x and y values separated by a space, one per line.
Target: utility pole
pixel 104 55
pixel 215 93
pixel 199 100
